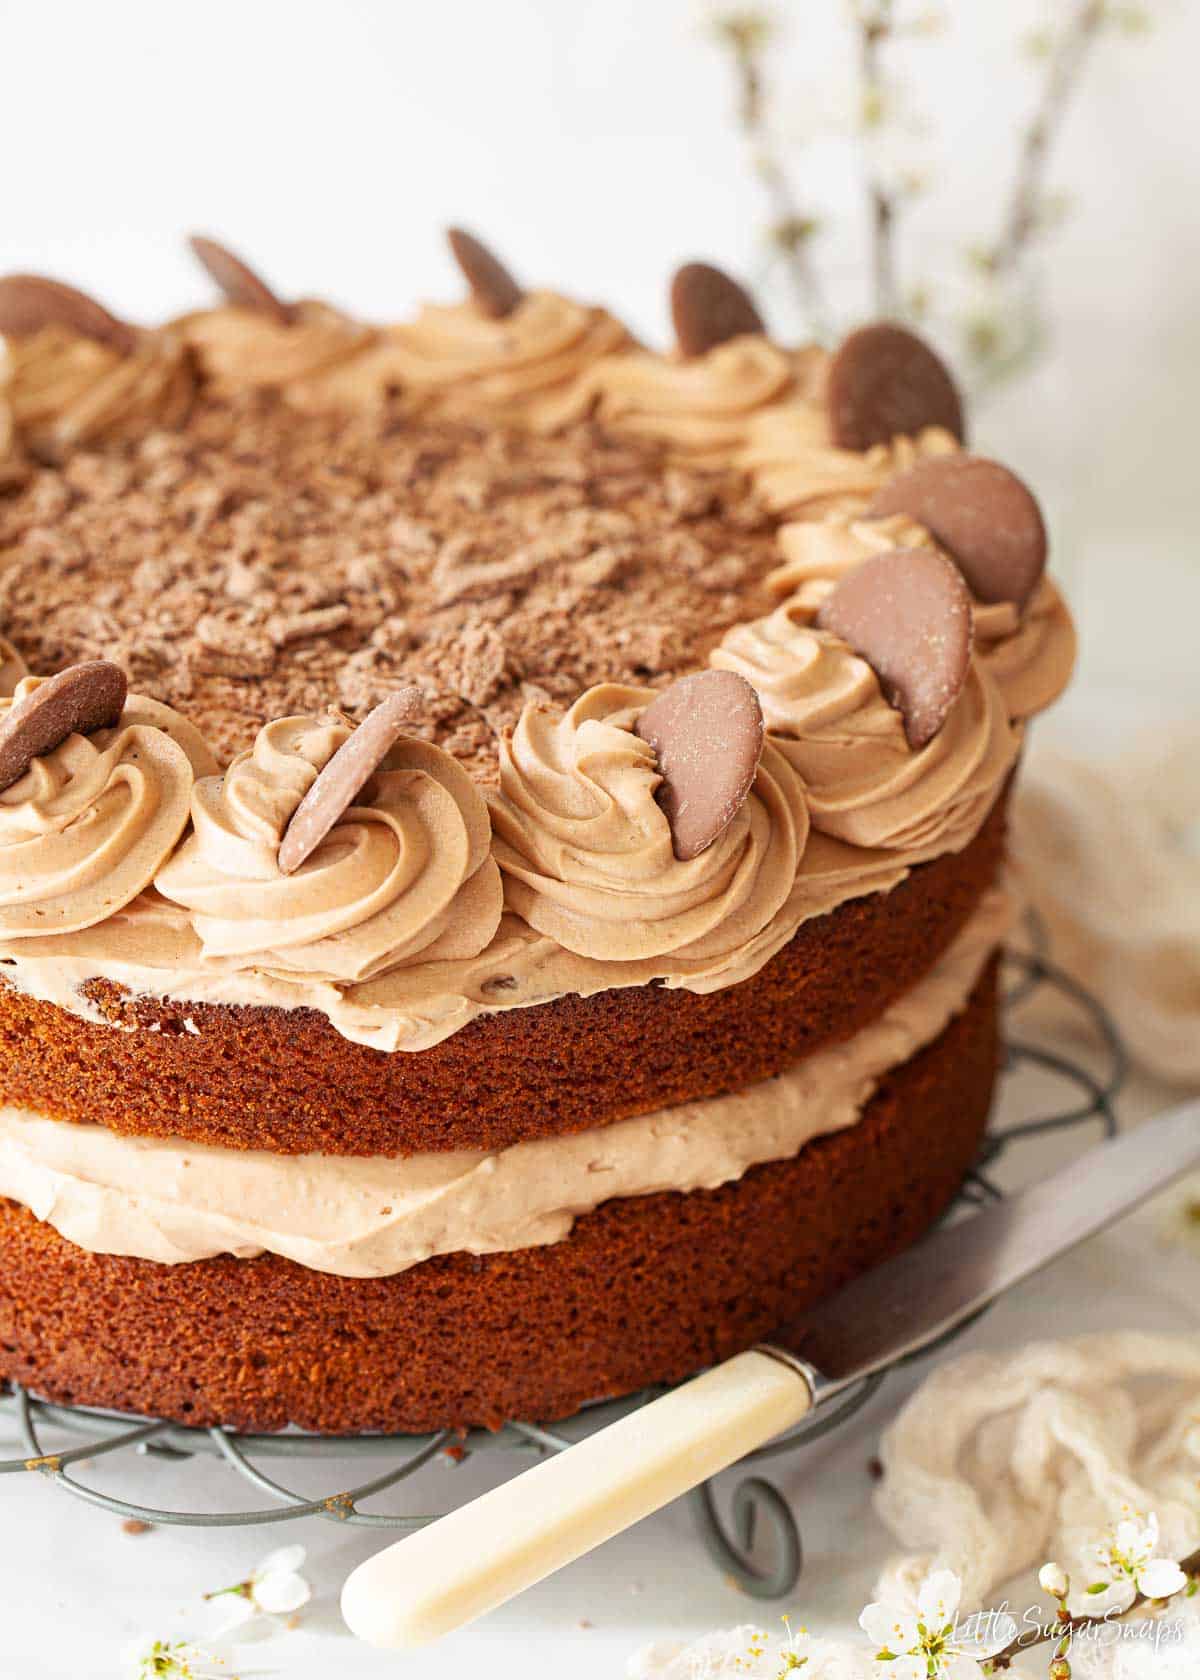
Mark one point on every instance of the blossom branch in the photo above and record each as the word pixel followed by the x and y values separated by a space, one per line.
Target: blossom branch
pixel 746 35
pixel 1068 56
pixel 875 26
pixel 1067 1626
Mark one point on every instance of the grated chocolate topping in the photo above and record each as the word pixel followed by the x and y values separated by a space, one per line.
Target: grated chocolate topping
pixel 259 562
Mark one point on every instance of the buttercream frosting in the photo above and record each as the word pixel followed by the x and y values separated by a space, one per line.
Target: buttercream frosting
pixel 12 669
pixel 64 390
pixel 174 1202
pixel 531 365
pixel 399 953
pixel 84 829
pixel 1030 654
pixel 586 850
pixel 797 468
pixel 405 875
pixel 827 715
pixel 318 358
pixel 704 406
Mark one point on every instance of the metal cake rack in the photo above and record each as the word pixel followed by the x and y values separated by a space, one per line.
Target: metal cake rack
pixel 760 1523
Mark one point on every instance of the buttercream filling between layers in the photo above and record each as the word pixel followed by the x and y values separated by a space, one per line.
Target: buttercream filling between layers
pixel 174 1202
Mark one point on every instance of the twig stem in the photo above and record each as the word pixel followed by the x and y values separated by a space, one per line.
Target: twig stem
pixel 875 23
pixel 1034 1636
pixel 790 225
pixel 1067 58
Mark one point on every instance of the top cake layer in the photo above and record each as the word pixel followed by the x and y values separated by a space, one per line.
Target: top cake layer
pixel 267 512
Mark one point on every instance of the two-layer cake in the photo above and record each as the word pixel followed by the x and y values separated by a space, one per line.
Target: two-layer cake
pixel 626 977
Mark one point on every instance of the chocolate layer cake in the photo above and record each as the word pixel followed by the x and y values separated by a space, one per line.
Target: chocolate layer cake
pixel 501 840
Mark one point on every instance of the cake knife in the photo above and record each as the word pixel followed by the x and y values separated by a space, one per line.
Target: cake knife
pixel 489 1550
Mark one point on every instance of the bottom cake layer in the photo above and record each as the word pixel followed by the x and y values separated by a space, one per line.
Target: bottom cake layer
pixel 645 1289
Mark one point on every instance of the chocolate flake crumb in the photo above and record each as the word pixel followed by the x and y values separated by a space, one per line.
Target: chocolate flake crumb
pixel 259 562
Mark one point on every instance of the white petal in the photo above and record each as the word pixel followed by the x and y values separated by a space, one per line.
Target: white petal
pixel 281 1592
pixel 910 1668
pixel 1129 1537
pixel 1161 1578
pixel 938 1598
pixel 986 1632
pixel 888 1625
pixel 227 1612
pixel 1118 1598
pixel 960 1668
pixel 288 1560
pixel 135 1652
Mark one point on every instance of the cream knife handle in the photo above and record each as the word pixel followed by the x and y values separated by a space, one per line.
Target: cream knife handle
pixel 487 1551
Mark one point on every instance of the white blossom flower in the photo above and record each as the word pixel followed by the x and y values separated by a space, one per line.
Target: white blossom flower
pixel 275 1588
pixel 150 1658
pixel 928 1643
pixel 1127 1558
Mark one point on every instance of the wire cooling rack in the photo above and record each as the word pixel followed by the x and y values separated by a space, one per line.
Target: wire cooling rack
pixel 760 1522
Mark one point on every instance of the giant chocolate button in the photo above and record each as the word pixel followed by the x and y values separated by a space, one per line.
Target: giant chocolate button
pixel 707 730
pixel 76 701
pixel 981 514
pixel 29 302
pixel 238 281
pixel 345 776
pixel 885 382
pixel 709 308
pixel 908 614
pixel 495 291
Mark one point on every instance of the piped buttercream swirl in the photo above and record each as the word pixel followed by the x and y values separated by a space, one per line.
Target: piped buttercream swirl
pixel 83 831
pixel 12 668
pixel 797 468
pixel 827 715
pixel 64 390
pixel 319 358
pixel 1030 654
pixel 587 854
pixel 404 876
pixel 531 366
pixel 703 406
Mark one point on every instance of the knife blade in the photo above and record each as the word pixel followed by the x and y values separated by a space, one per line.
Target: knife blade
pixel 900 1307
pixel 487 1551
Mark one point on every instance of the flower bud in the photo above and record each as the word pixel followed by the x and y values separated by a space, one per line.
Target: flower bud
pixel 1054 1580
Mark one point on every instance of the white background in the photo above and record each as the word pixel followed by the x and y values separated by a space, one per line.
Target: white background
pixel 593 145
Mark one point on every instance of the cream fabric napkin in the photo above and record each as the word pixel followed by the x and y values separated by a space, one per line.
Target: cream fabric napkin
pixel 1002 1462
pixel 1108 852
